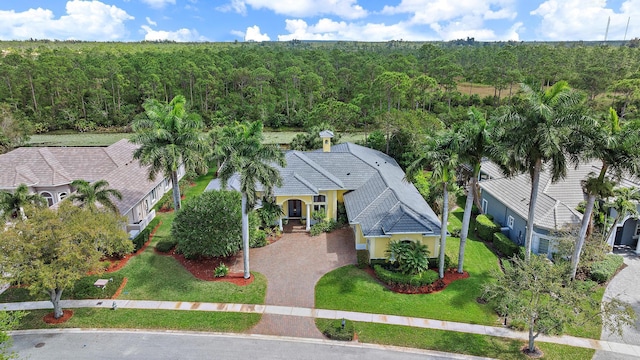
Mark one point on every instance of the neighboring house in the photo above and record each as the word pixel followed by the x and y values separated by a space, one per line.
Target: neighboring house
pixel 507 200
pixel 49 172
pixel 381 206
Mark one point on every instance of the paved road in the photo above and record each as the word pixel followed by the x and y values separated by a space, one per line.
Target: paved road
pixel 624 286
pixel 102 344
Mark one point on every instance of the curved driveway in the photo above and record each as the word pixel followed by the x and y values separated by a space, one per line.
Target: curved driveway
pixel 624 286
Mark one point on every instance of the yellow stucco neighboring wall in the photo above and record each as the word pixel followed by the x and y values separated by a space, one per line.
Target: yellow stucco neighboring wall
pixel 340 194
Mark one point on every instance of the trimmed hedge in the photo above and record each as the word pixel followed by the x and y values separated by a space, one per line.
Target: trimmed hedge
pixel 141 239
pixel 363 258
pixel 507 247
pixel 486 227
pixel 603 271
pixel 143 236
pixel 393 278
pixel 84 288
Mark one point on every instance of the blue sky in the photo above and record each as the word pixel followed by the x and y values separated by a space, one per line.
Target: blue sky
pixel 282 20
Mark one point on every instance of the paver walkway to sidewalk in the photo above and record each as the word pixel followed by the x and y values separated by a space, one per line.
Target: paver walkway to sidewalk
pixel 309 313
pixel 293 265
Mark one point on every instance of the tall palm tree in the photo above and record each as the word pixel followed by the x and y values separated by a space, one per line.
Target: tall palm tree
pixel 474 146
pixel 537 132
pixel 169 137
pixel 625 203
pixel 12 204
pixel 441 157
pixel 88 194
pixel 616 148
pixel 246 155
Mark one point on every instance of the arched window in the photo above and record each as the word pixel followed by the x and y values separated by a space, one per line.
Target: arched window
pixel 48 196
pixel 62 195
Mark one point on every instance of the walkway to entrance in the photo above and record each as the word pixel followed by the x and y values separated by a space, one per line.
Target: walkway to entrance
pixel 293 265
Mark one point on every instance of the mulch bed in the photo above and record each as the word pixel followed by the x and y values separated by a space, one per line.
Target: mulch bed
pixel 66 315
pixel 450 276
pixel 117 264
pixel 203 268
pixel 119 291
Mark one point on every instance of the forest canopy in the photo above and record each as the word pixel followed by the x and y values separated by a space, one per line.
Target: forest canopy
pixel 352 85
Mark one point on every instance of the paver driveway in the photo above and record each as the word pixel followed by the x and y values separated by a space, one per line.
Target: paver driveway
pixel 293 265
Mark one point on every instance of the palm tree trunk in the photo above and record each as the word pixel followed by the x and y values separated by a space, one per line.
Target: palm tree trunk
pixel 476 189
pixel 245 236
pixel 176 191
pixel 466 219
pixel 443 230
pixel 586 219
pixel 535 181
pixel 55 295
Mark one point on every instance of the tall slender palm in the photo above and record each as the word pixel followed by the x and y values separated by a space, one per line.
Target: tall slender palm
pixel 169 137
pixel 474 146
pixel 12 204
pixel 536 133
pixel 441 157
pixel 625 203
pixel 616 148
pixel 88 194
pixel 246 155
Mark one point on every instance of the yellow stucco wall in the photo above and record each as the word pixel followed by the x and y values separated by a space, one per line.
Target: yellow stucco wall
pixel 281 200
pixel 378 246
pixel 332 205
pixel 340 194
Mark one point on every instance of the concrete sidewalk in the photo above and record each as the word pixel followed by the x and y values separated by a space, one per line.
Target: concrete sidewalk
pixel 608 346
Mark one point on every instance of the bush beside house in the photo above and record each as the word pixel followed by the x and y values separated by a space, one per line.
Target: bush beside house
pixel 486 227
pixel 504 245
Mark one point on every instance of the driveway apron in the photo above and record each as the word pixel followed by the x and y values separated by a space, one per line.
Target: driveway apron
pixel 293 265
pixel 624 286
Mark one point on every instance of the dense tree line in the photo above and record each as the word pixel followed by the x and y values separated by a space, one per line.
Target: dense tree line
pixel 349 85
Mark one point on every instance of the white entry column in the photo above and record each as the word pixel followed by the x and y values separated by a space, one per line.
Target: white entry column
pixel 308 216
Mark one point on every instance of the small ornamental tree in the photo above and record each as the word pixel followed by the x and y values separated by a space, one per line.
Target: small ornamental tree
pixel 53 249
pixel 209 225
pixel 541 295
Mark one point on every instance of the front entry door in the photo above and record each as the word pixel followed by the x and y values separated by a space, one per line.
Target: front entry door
pixel 295 208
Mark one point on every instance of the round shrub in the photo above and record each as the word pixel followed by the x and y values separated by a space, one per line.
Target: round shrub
pixel 486 227
pixel 209 225
pixel 165 246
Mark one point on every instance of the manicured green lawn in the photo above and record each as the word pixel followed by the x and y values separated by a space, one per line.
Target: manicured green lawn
pixel 152 276
pixel 106 139
pixel 462 343
pixel 146 319
pixel 352 289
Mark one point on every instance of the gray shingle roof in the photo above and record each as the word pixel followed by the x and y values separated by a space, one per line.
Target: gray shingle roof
pixel 54 166
pixel 379 199
pixel 556 203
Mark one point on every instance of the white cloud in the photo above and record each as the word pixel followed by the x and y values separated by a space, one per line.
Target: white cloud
pixel 252 34
pixel 181 35
pixel 84 20
pixel 327 29
pixel 347 9
pixel 432 11
pixel 237 6
pixel 586 20
pixel 158 4
pixel 151 22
